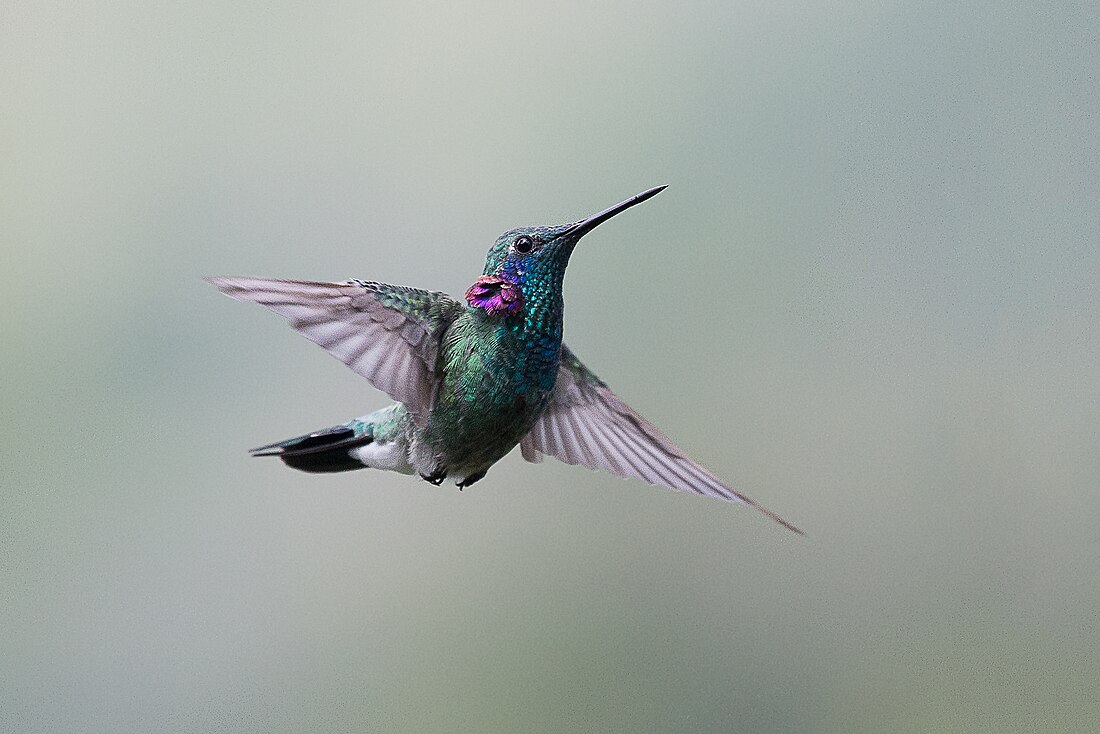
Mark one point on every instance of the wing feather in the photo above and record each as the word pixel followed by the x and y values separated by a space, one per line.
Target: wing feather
pixel 588 424
pixel 390 335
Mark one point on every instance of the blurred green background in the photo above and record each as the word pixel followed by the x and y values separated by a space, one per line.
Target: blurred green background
pixel 870 298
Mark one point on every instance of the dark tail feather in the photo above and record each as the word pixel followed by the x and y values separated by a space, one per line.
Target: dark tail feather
pixel 318 452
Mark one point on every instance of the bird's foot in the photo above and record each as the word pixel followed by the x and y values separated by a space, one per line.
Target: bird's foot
pixel 435 477
pixel 470 480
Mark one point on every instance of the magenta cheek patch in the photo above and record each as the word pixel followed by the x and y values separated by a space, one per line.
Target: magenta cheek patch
pixel 495 295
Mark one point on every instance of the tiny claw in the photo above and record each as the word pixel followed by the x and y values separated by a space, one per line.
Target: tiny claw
pixel 470 480
pixel 435 478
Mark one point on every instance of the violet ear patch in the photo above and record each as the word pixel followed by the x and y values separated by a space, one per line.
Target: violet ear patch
pixel 495 295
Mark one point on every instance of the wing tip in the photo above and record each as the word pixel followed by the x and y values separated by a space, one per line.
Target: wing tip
pixel 242 281
pixel 774 516
pixel 230 285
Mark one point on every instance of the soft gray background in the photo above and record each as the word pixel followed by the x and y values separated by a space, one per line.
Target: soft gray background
pixel 869 298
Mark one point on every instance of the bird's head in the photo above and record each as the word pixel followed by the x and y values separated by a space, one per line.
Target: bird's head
pixel 527 261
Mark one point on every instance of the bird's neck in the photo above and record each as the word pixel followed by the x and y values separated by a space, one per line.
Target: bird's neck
pixel 521 313
pixel 529 301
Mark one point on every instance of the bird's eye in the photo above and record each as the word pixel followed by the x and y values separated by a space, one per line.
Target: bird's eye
pixel 523 244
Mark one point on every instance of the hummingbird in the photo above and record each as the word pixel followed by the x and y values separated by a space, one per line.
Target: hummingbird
pixel 474 377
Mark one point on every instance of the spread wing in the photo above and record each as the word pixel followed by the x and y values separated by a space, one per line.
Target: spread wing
pixel 587 424
pixel 389 334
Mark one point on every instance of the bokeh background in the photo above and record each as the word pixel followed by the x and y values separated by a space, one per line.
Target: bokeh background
pixel 870 298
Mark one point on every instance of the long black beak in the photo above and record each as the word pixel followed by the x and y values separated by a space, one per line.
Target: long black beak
pixel 585 226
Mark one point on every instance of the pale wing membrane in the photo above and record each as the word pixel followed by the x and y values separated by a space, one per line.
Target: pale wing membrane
pixel 388 334
pixel 589 425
